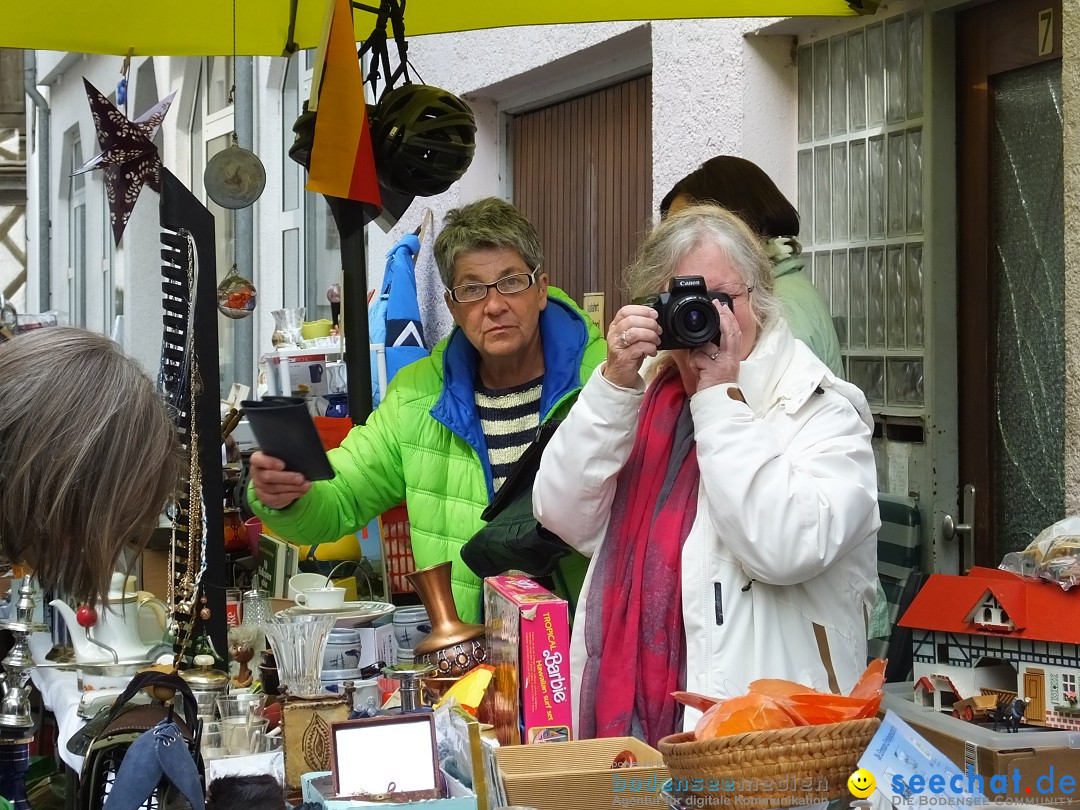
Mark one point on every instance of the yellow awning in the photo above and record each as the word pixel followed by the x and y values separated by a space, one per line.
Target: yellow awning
pixel 205 27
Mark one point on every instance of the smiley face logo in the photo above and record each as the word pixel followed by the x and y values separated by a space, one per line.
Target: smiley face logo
pixel 861 783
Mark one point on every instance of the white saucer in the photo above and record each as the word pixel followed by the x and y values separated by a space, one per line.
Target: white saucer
pixel 351 610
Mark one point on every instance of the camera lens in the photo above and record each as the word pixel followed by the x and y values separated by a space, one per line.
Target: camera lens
pixel 695 321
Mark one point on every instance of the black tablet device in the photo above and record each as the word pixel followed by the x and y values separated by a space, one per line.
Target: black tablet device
pixel 284 429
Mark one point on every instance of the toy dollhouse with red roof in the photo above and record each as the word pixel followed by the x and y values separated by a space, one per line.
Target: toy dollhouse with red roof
pixel 991 632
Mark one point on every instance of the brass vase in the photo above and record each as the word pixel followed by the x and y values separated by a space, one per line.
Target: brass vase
pixel 453 646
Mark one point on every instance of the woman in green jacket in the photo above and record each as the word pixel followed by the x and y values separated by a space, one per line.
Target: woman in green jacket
pixel 453 424
pixel 744 189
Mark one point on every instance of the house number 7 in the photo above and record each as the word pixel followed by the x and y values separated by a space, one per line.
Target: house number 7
pixel 1046 31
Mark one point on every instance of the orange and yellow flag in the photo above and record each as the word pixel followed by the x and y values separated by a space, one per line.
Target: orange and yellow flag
pixel 342 163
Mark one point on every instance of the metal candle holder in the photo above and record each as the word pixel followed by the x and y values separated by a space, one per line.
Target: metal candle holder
pixel 19 663
pixel 16 722
pixel 410 678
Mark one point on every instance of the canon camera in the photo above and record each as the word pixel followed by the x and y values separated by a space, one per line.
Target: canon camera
pixel 686 313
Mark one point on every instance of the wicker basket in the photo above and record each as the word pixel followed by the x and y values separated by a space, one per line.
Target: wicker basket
pixel 768 768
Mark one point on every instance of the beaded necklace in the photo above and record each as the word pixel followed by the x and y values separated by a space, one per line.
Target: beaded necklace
pixel 189 529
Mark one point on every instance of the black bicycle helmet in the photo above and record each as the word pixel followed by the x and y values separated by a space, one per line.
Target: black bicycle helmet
pixel 423 139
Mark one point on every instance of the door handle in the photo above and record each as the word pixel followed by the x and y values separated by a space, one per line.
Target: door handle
pixel 950 528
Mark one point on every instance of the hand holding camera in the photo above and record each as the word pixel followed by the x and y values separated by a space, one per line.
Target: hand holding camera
pixel 632 336
pixel 688 316
pixel 716 364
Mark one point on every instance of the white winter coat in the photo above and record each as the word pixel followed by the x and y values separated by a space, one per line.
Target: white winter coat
pixel 786 527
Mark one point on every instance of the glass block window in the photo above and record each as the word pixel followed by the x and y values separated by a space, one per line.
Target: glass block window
pixel 860 199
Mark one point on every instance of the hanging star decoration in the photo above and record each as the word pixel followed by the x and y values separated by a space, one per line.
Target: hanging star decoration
pixel 128 155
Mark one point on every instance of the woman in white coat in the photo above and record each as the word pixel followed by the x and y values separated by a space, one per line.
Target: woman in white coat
pixel 729 506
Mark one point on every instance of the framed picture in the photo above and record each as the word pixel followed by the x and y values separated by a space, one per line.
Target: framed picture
pixel 392 758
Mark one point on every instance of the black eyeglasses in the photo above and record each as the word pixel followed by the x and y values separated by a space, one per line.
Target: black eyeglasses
pixel 508 285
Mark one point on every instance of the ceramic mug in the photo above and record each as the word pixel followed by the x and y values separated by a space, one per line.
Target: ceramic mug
pixel 366 689
pixel 342 649
pixel 334 680
pixel 411 626
pixel 321 598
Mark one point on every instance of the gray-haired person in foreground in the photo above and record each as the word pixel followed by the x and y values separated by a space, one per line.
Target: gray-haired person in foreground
pixel 88 456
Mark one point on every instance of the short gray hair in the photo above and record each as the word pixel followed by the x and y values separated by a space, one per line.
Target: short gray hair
pixel 78 486
pixel 487 223
pixel 677 235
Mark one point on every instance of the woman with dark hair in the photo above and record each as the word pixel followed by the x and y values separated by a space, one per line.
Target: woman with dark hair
pixel 88 457
pixel 744 189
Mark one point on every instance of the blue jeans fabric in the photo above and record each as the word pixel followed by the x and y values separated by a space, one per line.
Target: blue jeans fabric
pixel 160 751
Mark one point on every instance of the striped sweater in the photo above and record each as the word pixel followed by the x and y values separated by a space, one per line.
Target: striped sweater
pixel 509 418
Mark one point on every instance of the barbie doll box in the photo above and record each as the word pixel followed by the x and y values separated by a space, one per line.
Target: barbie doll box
pixel 528 638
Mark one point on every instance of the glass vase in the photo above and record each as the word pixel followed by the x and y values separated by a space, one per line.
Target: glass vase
pixel 288 324
pixel 298 643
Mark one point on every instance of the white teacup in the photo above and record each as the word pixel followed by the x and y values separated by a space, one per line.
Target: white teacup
pixel 321 598
pixel 306 581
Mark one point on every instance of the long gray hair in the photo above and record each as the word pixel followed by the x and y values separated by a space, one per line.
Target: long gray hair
pixel 675 237
pixel 88 456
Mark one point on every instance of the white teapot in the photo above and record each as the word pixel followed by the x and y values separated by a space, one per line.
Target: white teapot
pixel 111 633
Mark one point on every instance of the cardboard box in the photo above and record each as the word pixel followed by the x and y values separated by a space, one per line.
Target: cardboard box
pixel 153 567
pixel 578 774
pixel 377 643
pixel 155 572
pixel 1028 754
pixel 298 373
pixel 528 638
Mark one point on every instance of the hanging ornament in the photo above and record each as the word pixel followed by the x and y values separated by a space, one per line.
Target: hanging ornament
pixel 235 296
pixel 234 177
pixel 122 85
pixel 128 155
pixel 333 295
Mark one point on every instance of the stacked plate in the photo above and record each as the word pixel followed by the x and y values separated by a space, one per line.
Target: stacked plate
pixel 347 613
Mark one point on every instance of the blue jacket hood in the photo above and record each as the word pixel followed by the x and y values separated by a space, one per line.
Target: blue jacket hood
pixel 564 333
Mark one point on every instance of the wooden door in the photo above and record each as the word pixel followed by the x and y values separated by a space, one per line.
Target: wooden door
pixel 1034 691
pixel 582 173
pixel 1010 251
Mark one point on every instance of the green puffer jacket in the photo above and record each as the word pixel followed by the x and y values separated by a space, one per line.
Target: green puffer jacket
pixel 424 445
